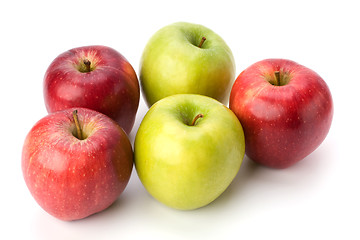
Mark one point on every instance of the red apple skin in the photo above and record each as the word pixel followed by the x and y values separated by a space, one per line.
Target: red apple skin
pixel 112 86
pixel 282 124
pixel 71 178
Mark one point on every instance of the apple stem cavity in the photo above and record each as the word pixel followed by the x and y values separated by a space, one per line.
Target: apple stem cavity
pixel 196 118
pixel 77 125
pixel 87 65
pixel 277 76
pixel 202 42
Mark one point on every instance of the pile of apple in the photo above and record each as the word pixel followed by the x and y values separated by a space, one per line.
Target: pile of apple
pixel 77 160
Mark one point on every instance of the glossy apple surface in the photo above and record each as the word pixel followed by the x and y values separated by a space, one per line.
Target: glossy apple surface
pixel 285 109
pixel 173 63
pixel 70 177
pixel 95 77
pixel 186 160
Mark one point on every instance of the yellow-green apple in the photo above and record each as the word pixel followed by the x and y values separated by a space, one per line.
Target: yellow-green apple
pixel 188 149
pixel 76 162
pixel 186 58
pixel 285 109
pixel 95 77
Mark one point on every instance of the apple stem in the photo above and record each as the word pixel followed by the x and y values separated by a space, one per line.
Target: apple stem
pixel 77 124
pixel 202 42
pixel 277 76
pixel 196 118
pixel 87 65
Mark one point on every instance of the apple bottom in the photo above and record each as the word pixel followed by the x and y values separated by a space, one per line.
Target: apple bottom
pixel 284 147
pixel 76 201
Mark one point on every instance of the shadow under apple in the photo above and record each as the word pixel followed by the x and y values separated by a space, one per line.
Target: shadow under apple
pixel 255 181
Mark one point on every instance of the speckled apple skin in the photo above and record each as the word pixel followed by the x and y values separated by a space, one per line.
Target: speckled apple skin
pixel 111 88
pixel 71 178
pixel 282 124
pixel 172 63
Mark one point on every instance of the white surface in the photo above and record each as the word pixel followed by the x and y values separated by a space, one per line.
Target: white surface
pixel 317 198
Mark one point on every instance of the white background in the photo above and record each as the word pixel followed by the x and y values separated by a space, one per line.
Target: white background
pixel 318 198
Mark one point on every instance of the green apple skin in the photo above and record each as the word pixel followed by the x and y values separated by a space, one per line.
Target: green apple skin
pixel 187 167
pixel 172 63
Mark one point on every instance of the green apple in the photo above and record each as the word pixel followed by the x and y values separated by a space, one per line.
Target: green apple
pixel 186 58
pixel 188 149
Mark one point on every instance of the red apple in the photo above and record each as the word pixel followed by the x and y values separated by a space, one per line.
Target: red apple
pixel 76 164
pixel 95 77
pixel 285 109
